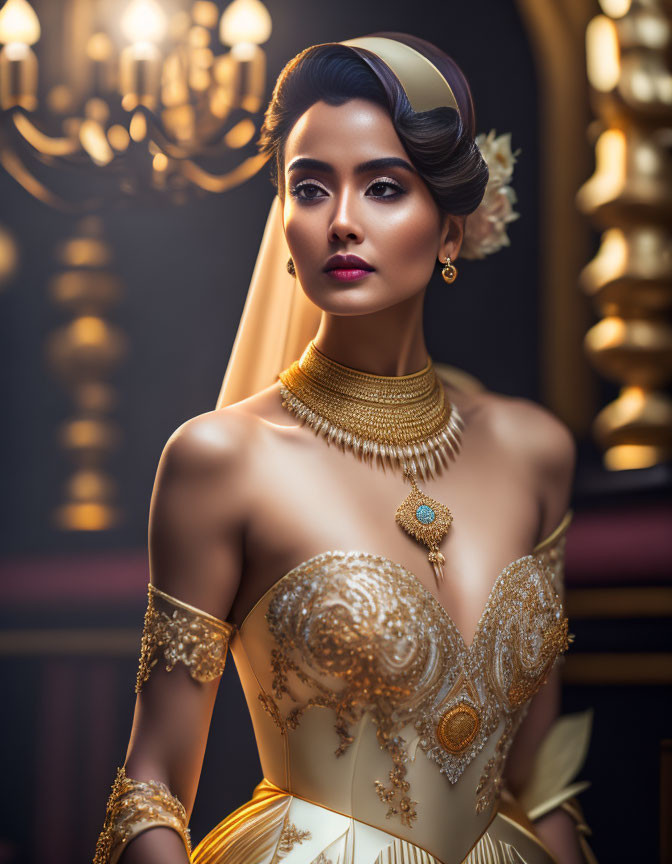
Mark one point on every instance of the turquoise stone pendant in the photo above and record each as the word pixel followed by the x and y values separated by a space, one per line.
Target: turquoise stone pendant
pixel 427 521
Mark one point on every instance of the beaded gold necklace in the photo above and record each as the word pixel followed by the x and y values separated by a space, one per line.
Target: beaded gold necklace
pixel 403 420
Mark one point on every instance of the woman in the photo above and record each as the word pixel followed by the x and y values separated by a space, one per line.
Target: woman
pixel 388 676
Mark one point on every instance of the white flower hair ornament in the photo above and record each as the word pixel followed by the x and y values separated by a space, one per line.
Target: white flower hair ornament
pixel 485 228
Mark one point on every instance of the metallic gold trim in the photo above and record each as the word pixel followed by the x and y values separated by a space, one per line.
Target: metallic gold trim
pixel 425 86
pixel 225 626
pixel 555 535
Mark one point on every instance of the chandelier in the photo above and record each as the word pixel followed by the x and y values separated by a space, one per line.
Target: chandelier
pixel 148 99
pixel 129 99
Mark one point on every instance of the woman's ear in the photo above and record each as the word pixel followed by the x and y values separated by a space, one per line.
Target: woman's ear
pixel 452 234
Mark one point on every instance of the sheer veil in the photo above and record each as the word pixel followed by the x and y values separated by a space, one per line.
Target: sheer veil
pixel 277 323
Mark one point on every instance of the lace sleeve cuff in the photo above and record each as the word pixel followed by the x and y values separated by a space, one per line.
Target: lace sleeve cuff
pixel 134 807
pixel 180 633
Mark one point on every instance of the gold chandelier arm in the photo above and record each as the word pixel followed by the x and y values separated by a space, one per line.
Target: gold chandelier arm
pixel 221 183
pixel 16 169
pixel 44 143
pixel 181 151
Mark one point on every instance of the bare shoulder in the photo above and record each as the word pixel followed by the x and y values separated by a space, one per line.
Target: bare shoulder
pixel 523 429
pixel 528 436
pixel 200 481
pixel 199 510
pixel 220 443
pixel 213 439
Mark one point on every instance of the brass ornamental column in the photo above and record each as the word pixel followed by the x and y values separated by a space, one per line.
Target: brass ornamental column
pixel 629 62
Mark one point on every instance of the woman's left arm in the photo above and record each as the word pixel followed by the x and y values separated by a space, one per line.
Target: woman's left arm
pixel 550 455
pixel 557 829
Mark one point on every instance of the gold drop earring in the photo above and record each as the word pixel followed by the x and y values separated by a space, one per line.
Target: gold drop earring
pixel 290 267
pixel 449 271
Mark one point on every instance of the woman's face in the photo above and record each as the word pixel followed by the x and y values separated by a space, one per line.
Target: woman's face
pixel 351 190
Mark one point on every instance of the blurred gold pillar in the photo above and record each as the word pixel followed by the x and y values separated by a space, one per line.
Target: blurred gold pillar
pixel 629 63
pixel 556 30
pixel 83 353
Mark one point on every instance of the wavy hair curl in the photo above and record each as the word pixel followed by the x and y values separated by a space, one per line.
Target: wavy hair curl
pixel 440 143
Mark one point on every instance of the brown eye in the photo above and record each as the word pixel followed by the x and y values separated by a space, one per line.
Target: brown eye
pixel 308 191
pixel 384 189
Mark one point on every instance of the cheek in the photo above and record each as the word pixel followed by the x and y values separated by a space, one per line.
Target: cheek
pixel 302 233
pixel 410 239
pixel 414 238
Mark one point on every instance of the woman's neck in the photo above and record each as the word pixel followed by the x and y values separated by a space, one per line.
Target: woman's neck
pixel 389 342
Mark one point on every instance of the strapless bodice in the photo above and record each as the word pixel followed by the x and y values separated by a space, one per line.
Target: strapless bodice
pixel 366 699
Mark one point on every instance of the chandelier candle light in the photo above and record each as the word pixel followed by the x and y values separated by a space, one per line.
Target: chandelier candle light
pixel 160 97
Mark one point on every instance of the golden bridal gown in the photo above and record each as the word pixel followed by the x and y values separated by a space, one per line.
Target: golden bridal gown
pixel 382 735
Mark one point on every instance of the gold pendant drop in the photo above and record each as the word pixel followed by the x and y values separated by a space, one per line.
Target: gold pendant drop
pixel 427 521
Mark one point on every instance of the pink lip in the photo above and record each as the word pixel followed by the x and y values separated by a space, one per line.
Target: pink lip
pixel 349 274
pixel 347 268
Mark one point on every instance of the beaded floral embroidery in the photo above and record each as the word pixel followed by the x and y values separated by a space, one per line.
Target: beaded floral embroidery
pixel 367 637
pixel 183 635
pixel 134 806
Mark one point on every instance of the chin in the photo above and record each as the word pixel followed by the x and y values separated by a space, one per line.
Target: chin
pixel 352 299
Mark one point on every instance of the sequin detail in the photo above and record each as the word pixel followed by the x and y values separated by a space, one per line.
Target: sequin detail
pixel 182 635
pixel 365 635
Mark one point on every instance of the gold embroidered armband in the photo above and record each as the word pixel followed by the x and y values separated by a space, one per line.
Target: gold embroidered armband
pixel 134 807
pixel 182 634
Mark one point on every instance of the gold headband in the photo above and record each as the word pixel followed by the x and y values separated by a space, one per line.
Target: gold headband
pixel 425 86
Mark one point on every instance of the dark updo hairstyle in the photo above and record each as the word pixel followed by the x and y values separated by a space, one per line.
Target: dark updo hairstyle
pixel 440 142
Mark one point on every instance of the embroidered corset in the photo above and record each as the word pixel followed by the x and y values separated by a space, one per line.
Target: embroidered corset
pixel 366 699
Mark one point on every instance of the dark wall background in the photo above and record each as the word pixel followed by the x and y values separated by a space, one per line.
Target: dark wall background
pixel 186 271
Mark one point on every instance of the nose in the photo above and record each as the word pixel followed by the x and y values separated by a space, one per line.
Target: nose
pixel 345 223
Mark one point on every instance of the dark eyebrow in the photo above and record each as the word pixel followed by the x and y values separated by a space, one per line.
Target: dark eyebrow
pixel 363 168
pixel 385 162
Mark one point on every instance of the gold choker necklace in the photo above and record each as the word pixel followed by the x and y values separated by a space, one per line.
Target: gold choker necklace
pixel 404 420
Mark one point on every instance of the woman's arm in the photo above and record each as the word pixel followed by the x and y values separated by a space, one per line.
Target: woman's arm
pixel 556 829
pixel 196 525
pixel 550 454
